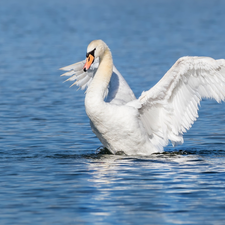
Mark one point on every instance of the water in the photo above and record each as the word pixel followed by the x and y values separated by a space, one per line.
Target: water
pixel 49 171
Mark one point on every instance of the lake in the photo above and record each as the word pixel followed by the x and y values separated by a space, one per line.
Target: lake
pixel 50 172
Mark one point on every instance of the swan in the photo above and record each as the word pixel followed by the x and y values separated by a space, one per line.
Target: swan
pixel 144 125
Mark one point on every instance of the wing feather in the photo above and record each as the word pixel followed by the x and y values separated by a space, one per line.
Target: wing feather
pixel 118 91
pixel 170 108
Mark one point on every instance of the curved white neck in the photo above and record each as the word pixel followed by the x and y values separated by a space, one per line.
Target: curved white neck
pixel 102 77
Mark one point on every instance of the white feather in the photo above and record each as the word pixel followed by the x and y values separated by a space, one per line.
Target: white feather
pixel 118 91
pixel 183 86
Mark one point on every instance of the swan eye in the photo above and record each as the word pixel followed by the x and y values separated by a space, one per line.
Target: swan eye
pixel 91 53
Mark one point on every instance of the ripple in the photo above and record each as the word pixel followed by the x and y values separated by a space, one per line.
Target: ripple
pixel 50 171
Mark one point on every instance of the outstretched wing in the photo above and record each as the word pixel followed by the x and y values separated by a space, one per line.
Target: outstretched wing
pixel 118 91
pixel 171 106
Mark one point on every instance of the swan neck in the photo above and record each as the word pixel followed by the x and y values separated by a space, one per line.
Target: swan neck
pixel 103 75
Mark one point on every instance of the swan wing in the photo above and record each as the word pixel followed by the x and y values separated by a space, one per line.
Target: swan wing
pixel 118 91
pixel 170 107
pixel 75 71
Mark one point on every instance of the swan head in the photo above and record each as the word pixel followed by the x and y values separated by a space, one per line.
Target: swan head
pixel 94 50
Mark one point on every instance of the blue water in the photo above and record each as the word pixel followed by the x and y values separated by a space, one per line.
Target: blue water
pixel 49 170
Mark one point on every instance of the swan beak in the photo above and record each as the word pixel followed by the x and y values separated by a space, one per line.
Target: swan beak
pixel 89 61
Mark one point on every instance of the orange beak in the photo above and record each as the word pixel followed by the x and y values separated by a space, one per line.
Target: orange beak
pixel 89 61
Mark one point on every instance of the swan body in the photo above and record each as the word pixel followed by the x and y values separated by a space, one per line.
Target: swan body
pixel 145 125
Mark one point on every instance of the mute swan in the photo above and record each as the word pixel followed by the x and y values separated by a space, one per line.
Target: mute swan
pixel 145 125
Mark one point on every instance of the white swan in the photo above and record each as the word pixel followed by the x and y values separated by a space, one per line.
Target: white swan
pixel 145 125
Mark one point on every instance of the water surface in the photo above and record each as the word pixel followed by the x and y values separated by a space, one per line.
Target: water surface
pixel 49 170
